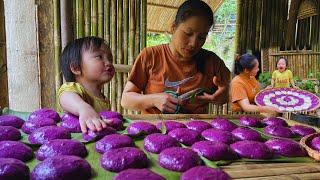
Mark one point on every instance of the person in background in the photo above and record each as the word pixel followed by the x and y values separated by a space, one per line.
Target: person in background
pixel 244 86
pixel 282 77
pixel 86 65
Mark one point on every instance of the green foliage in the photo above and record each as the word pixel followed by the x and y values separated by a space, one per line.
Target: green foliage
pixel 308 85
pixel 265 78
pixel 154 39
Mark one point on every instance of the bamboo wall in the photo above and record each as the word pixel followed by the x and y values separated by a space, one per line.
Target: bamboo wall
pixel 3 61
pixel 263 29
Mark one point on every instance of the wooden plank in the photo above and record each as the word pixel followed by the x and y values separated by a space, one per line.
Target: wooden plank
pixel 4 101
pixel 182 116
pixel 286 177
pixel 251 165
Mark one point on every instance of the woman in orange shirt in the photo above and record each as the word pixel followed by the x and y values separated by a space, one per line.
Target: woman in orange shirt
pixel 182 58
pixel 244 86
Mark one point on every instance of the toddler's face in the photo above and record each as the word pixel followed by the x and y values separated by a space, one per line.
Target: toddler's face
pixel 281 65
pixel 97 65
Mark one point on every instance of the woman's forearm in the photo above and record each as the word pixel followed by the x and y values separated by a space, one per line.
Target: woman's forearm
pixel 136 101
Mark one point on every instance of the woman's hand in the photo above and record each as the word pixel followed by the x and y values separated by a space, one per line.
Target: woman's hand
pixel 165 102
pixel 89 118
pixel 269 87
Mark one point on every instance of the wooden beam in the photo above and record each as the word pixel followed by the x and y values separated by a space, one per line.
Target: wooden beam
pixel 162 5
pixel 3 62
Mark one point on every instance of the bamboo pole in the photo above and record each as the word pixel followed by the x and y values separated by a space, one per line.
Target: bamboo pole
pixel 268 24
pixel 87 17
pixel 114 51
pixel 100 18
pixel 125 40
pixel 249 27
pixel 238 27
pixel 132 27
pixel 57 44
pixel 80 13
pixel 94 17
pixel 66 22
pixel 107 38
pixel 120 54
pixel 138 27
pixel 143 24
pixel 4 101
pixel 258 24
pixel 243 27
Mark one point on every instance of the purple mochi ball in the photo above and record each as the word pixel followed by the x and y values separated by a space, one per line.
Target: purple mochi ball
pixel 214 151
pixel 279 131
pixel 16 150
pixel 116 160
pixel 217 135
pixel 223 124
pixel 93 136
pixel 12 169
pixel 113 141
pixel 171 125
pixel 11 120
pixel 138 174
pixel 71 123
pixel 244 133
pixel 143 128
pixel 274 121
pixel 204 173
pixel 115 123
pixel 61 168
pixel 155 143
pixel 302 130
pixel 178 159
pixel 315 143
pixel 36 123
pixel 47 133
pixel 61 147
pixel 250 121
pixel 185 136
pixel 45 113
pixel 285 147
pixel 198 125
pixel 9 133
pixel 251 150
pixel 110 114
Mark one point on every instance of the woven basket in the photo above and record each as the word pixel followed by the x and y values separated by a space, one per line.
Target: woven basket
pixel 307 9
pixel 311 152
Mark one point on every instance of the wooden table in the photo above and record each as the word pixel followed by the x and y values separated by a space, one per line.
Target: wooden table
pixel 248 170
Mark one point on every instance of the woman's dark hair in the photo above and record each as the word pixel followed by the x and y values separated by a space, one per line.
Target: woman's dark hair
pixel 285 59
pixel 192 8
pixel 72 54
pixel 243 62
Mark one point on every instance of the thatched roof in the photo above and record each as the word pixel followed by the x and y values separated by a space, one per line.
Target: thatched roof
pixel 161 13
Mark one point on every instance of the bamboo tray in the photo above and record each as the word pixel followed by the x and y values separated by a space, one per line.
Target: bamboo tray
pixel 311 152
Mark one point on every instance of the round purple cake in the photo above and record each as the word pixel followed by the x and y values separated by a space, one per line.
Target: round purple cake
pixel 217 135
pixel 244 133
pixel 61 147
pixel 113 141
pixel 279 131
pixel 36 123
pixel 178 159
pixel 110 114
pixel 223 124
pixel 274 121
pixel 185 136
pixel 13 169
pixel 45 134
pixel 171 125
pixel 45 113
pixel 284 147
pixel 93 136
pixel 204 173
pixel 9 133
pixel 315 143
pixel 250 121
pixel 251 150
pixel 302 130
pixel 62 168
pixel 11 120
pixel 198 125
pixel 138 174
pixel 155 143
pixel 143 128
pixel 71 123
pixel 16 150
pixel 116 160
pixel 214 151
pixel 115 123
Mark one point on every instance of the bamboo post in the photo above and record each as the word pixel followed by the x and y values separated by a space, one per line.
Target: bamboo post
pixel 114 51
pixel 94 18
pixel 120 54
pixel 143 24
pixel 66 22
pixel 125 39
pixel 294 7
pixel 138 26
pixel 4 101
pixel 100 18
pixel 57 44
pixel 238 27
pixel 80 28
pixel 87 17
pixel 248 27
pixel 107 38
pixel 257 25
pixel 132 27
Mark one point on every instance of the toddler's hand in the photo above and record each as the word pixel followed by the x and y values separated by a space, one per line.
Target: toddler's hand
pixel 89 118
